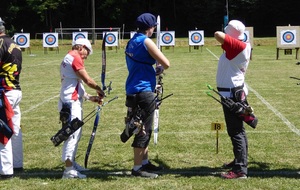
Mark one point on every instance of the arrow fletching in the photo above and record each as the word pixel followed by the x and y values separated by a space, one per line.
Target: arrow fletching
pixel 209 87
pixel 209 94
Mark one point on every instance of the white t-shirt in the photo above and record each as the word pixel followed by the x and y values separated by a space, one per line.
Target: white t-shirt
pixel 233 64
pixel 71 85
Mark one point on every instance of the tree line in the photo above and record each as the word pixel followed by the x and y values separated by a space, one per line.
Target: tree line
pixel 36 16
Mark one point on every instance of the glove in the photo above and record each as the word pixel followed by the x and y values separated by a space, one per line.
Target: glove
pixel 159 70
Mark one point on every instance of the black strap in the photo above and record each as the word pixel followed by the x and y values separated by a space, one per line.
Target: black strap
pixel 220 89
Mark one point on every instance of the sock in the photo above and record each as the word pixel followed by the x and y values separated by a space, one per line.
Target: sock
pixel 146 161
pixel 136 167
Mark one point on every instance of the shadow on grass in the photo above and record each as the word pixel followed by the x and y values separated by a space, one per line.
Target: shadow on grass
pixel 256 169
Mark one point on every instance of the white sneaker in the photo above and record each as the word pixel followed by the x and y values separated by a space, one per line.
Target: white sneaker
pixel 79 168
pixel 73 174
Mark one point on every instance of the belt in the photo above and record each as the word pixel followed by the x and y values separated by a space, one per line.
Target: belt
pixel 220 89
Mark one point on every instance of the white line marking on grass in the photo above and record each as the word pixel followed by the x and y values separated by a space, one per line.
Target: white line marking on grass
pixel 36 65
pixel 212 54
pixel 285 120
pixel 39 104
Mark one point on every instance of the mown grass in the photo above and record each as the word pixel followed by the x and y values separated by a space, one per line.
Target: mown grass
pixel 186 144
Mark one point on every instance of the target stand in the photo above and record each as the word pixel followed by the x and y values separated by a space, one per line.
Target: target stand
pixel 28 50
pixel 195 47
pixel 167 47
pixel 288 39
pixel 111 48
pixel 51 49
pixel 287 51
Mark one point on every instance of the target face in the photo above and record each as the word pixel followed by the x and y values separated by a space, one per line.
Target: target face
pixel 167 38
pixel 50 39
pixel 288 37
pixel 111 38
pixel 22 39
pixel 246 38
pixel 78 35
pixel 196 37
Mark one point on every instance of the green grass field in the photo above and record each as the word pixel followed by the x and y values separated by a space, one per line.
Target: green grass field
pixel 186 144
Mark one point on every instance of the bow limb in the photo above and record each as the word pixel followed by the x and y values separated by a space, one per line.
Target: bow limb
pixel 103 63
pixel 96 121
pixel 159 87
pixel 158 32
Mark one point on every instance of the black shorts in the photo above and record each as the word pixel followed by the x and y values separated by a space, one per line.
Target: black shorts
pixel 146 101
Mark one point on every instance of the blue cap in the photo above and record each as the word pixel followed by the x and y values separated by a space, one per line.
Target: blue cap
pixel 145 21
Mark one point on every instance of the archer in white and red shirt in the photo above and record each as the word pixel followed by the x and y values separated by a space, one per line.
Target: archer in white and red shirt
pixel 232 67
pixel 72 93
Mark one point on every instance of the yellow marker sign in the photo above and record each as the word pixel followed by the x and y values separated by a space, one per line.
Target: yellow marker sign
pixel 217 126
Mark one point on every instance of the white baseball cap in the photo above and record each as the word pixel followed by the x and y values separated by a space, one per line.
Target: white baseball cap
pixel 85 42
pixel 235 29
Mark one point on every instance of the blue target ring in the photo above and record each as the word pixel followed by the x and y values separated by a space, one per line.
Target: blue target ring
pixel 21 40
pixel 288 37
pixel 110 38
pixel 196 37
pixel 167 38
pixel 79 35
pixel 245 38
pixel 50 39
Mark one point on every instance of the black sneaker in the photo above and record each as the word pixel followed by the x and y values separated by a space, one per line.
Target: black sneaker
pixel 141 173
pixel 151 167
pixel 5 177
pixel 228 165
pixel 18 170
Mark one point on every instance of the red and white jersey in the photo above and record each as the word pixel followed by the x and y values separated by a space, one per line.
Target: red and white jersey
pixel 71 85
pixel 233 64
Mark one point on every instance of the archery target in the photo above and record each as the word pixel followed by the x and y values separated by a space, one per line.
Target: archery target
pixel 167 38
pixel 111 38
pixel 22 39
pixel 196 37
pixel 50 39
pixel 288 36
pixel 248 36
pixel 77 35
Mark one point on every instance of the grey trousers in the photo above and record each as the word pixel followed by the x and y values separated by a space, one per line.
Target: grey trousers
pixel 237 134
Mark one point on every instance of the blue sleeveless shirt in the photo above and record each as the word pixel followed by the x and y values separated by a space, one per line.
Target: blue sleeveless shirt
pixel 141 76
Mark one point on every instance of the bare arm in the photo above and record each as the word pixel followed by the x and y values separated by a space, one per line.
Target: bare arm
pixel 82 74
pixel 157 54
pixel 220 36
